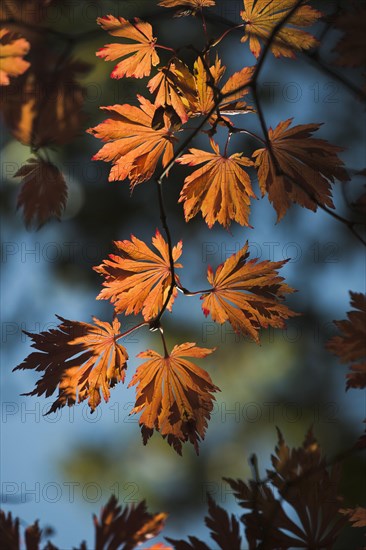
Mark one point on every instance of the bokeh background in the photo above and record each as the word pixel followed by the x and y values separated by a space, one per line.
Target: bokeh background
pixel 63 468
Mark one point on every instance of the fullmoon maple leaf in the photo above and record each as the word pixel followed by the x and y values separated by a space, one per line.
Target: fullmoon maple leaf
pixel 350 345
pixel 174 87
pixel 247 294
pixel 174 395
pixel 12 50
pixel 138 279
pixel 299 168
pixel 79 359
pixel 206 81
pixel 133 147
pixel 221 189
pixel 43 193
pixel 140 54
pixel 262 16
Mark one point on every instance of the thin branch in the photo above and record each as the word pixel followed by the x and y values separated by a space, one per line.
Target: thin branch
pixel 124 334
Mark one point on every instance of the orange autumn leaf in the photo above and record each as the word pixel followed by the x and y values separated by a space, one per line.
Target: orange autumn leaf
pixel 79 359
pixel 247 294
pixel 126 528
pixel 133 147
pixel 43 193
pixel 262 16
pixel 12 50
pixel 194 4
pixel 174 395
pixel 299 169
pixel 350 345
pixel 138 279
pixel 174 87
pixel 233 90
pixel 140 55
pixel 221 189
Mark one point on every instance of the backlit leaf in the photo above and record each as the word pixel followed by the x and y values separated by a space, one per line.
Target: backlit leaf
pixel 78 359
pixel 174 86
pixel 299 169
pixel 138 279
pixel 262 16
pixel 133 147
pixel 174 395
pixel 247 294
pixel 221 189
pixel 140 54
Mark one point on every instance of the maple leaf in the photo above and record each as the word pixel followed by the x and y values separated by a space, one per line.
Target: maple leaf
pixel 262 16
pixel 174 87
pixel 140 54
pixel 138 279
pixel 306 490
pixel 221 189
pixel 207 81
pixel 79 359
pixel 43 193
pixel 299 168
pixel 350 346
pixel 134 146
pixel 247 294
pixel 12 50
pixel 351 48
pixel 174 395
pixel 126 528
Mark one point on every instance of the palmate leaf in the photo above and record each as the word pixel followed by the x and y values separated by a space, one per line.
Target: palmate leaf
pixel 299 168
pixel 12 50
pixel 174 395
pixel 221 189
pixel 208 78
pixel 247 294
pixel 133 147
pixel 138 279
pixel 262 16
pixel 307 488
pixel 140 54
pixel 79 359
pixel 175 88
pixel 350 345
